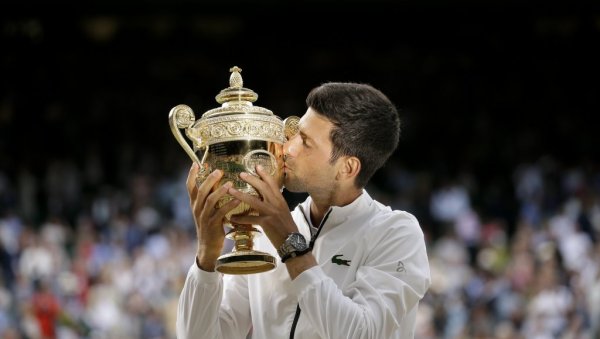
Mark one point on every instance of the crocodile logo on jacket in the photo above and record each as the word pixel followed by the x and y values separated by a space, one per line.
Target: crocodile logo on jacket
pixel 337 260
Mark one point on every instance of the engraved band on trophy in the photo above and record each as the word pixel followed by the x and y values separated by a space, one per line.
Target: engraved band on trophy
pixel 235 138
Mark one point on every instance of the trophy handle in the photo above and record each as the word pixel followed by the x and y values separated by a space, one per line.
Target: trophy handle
pixel 182 116
pixel 290 126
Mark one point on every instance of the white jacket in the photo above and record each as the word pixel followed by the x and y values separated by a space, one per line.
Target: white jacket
pixel 372 272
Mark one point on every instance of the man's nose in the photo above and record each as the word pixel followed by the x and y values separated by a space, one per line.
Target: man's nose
pixel 290 147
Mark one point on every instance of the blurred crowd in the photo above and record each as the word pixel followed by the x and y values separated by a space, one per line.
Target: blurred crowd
pixel 82 258
pixel 96 234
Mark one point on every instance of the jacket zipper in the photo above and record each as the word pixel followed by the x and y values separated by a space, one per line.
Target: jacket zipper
pixel 312 243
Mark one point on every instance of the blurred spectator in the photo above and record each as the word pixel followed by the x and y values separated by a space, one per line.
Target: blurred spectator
pixel 46 308
pixel 118 257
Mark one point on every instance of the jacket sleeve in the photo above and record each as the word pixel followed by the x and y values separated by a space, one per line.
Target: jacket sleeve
pixel 387 287
pixel 206 311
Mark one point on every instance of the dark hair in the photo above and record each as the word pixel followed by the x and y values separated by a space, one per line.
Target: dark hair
pixel 365 124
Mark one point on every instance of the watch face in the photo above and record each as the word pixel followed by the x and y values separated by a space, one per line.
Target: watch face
pixel 294 243
pixel 297 241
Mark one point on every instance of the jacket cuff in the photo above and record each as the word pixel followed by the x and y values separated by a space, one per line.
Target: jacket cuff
pixel 308 279
pixel 203 276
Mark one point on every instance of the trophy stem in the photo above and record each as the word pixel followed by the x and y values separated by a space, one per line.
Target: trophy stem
pixel 243 259
pixel 243 237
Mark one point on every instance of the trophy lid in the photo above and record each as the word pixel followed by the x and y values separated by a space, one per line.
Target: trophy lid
pixel 236 99
pixel 237 118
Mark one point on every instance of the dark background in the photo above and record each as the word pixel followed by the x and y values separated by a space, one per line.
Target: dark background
pixel 498 158
pixel 481 88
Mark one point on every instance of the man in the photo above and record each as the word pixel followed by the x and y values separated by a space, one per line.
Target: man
pixel 352 268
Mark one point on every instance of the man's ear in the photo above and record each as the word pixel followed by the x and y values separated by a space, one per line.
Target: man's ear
pixel 349 168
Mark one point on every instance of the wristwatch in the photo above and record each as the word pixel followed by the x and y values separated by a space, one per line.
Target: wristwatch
pixel 293 246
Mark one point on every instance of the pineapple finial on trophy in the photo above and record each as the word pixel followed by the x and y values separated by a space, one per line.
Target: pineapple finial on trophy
pixel 235 79
pixel 236 94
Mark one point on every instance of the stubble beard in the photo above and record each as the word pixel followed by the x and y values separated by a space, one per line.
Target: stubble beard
pixel 294 184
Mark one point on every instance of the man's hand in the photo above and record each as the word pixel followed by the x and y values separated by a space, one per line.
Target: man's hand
pixel 207 216
pixel 273 212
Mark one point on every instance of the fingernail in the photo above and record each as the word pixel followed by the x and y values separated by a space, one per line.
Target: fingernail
pixel 228 184
pixel 243 175
pixel 216 173
pixel 259 167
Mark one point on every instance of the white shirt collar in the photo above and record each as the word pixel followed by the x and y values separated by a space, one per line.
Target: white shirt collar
pixel 339 214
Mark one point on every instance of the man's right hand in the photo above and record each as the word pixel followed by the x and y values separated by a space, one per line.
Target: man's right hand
pixel 207 216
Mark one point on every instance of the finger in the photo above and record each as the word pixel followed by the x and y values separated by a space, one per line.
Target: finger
pixel 213 198
pixel 267 178
pixel 255 181
pixel 208 185
pixel 222 211
pixel 191 179
pixel 251 200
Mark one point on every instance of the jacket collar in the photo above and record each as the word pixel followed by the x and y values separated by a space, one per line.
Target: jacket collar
pixel 339 214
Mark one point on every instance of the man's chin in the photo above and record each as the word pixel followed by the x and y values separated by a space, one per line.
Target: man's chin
pixel 292 186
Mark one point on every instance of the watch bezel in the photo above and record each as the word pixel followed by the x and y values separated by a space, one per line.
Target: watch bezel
pixel 295 244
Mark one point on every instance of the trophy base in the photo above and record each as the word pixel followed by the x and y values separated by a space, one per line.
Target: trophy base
pixel 245 262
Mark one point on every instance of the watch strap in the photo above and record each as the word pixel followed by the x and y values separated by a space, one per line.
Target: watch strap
pixel 294 254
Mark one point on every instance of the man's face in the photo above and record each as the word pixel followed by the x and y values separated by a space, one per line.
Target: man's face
pixel 307 167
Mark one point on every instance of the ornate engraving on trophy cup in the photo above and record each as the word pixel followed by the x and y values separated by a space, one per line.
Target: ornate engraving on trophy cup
pixel 235 138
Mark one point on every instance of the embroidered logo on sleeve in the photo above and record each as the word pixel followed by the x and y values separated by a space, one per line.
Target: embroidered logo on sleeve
pixel 400 268
pixel 337 260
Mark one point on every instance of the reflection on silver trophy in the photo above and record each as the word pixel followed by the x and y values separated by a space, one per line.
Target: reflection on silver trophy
pixel 235 138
